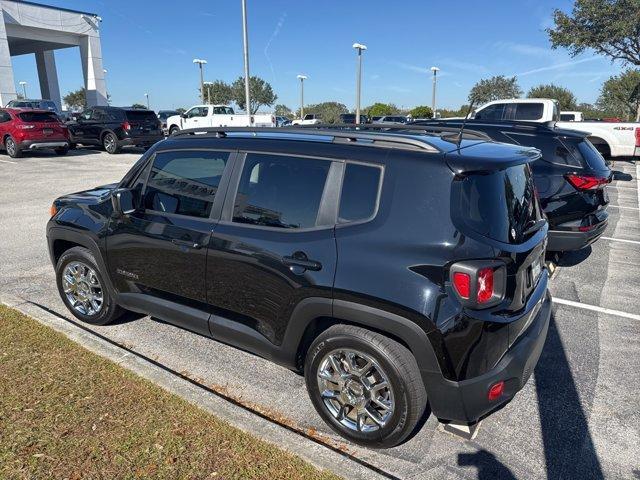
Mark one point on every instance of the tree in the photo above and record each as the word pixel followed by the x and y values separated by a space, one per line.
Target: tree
pixel 181 110
pixel 494 88
pixel 421 111
pixel 261 93
pixel 463 111
pixel 563 95
pixel 609 27
pixel 283 110
pixel 381 109
pixel 329 112
pixel 138 105
pixel 619 95
pixel 218 92
pixel 76 100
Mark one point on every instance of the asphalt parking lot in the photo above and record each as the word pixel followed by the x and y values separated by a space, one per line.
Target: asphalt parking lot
pixel 578 417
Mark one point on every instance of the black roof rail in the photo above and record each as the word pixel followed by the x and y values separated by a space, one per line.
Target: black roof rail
pixel 336 134
pixel 403 128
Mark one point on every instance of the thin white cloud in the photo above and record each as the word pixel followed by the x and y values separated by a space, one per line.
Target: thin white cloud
pixel 465 66
pixel 557 66
pixel 274 34
pixel 418 69
pixel 524 49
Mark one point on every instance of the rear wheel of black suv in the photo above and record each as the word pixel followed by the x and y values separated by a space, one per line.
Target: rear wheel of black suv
pixel 366 386
pixel 82 288
pixel 110 143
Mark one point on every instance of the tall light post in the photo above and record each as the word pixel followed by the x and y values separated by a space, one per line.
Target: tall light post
pixel 245 37
pixel 435 71
pixel 24 88
pixel 147 97
pixel 200 63
pixel 302 78
pixel 208 85
pixel 359 48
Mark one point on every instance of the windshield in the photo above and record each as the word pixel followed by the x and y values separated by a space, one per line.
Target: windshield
pixel 501 205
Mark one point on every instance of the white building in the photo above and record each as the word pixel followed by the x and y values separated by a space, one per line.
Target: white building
pixel 27 27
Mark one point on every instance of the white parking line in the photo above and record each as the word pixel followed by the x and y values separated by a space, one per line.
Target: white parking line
pixel 594 308
pixel 6 161
pixel 635 242
pixel 625 208
pixel 621 187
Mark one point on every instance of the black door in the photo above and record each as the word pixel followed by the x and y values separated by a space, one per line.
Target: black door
pixel 81 129
pixel 273 247
pixel 157 255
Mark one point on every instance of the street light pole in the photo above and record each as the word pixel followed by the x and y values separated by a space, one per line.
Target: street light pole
pixel 147 95
pixel 359 47
pixel 302 79
pixel 201 62
pixel 435 70
pixel 24 88
pixel 208 85
pixel 245 35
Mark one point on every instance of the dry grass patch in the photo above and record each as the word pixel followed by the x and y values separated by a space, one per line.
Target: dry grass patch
pixel 67 413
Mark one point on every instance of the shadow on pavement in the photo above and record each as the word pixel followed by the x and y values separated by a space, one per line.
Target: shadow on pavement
pixel 618 175
pixel 573 258
pixel 568 447
pixel 489 467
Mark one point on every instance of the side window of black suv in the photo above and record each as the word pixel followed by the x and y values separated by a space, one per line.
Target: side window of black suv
pixel 184 182
pixel 280 191
pixel 360 191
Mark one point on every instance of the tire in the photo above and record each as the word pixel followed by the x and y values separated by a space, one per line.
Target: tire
pixel 173 130
pixel 13 150
pixel 79 264
pixel 110 143
pixel 404 401
pixel 72 146
pixel 62 150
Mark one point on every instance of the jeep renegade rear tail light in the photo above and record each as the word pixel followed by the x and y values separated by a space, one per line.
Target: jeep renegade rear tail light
pixel 126 126
pixel 479 283
pixel 496 391
pixel 586 182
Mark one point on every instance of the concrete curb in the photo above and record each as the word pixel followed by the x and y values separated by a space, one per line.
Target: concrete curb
pixel 318 455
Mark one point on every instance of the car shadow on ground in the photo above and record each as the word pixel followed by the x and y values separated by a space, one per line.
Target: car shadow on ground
pixel 573 258
pixel 625 177
pixel 568 447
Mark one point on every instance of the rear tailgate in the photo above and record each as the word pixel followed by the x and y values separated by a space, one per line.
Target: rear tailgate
pixel 142 122
pixel 43 124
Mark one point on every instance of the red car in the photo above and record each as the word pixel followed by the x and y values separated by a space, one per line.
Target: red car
pixel 27 129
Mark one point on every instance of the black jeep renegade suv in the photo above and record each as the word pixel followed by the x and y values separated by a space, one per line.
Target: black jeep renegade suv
pixel 394 270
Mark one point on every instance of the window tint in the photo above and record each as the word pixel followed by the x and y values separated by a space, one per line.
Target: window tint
pixel 38 117
pixel 97 115
pixel 567 117
pixel 359 192
pixel 592 155
pixel 492 112
pixel 184 182
pixel 142 116
pixel 4 117
pixel 282 192
pixel 529 111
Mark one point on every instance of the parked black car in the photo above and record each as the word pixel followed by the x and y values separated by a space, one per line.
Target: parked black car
pixel 350 118
pixel 391 269
pixel 570 178
pixel 115 128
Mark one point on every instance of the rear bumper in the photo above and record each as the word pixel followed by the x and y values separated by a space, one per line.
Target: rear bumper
pixel 42 144
pixel 565 241
pixel 466 401
pixel 144 140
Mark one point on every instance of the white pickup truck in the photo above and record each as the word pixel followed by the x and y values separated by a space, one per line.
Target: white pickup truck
pixel 613 139
pixel 309 119
pixel 203 116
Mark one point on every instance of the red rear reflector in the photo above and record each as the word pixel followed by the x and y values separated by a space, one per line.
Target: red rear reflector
pixel 496 391
pixel 587 228
pixel 485 285
pixel 637 137
pixel 126 126
pixel 586 182
pixel 462 284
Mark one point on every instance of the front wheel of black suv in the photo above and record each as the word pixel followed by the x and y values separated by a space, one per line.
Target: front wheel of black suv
pixel 82 288
pixel 366 386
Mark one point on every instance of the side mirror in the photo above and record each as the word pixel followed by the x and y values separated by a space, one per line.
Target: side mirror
pixel 183 115
pixel 123 201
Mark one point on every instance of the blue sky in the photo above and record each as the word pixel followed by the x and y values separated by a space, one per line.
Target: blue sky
pixel 148 46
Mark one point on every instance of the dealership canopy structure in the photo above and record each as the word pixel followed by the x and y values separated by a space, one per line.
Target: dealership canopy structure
pixel 27 27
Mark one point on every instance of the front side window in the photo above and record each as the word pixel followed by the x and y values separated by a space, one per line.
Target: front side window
pixel 4 116
pixel 359 195
pixel 193 112
pixel 184 182
pixel 281 192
